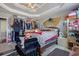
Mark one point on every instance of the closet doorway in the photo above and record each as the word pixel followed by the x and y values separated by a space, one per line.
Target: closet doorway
pixel 2 30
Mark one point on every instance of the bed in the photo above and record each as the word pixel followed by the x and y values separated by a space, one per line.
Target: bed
pixel 48 37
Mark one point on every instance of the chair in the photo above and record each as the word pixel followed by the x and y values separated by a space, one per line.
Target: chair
pixel 75 51
pixel 32 48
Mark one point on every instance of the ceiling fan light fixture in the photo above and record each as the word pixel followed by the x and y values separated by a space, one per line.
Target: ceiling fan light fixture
pixel 32 6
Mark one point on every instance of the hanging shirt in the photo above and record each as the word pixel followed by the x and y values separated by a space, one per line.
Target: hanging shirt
pixel 28 26
pixel 16 26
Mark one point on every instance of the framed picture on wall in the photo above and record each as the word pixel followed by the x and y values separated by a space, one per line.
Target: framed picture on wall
pixel 52 22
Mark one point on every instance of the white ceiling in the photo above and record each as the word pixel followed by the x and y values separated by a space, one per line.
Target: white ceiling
pixel 41 7
pixel 44 10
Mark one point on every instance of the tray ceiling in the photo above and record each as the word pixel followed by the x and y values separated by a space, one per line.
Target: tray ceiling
pixel 33 8
pixel 38 9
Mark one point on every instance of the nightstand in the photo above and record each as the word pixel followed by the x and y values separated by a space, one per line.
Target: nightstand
pixel 63 42
pixel 71 42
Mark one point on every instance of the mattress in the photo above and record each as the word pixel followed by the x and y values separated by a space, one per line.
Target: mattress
pixel 46 37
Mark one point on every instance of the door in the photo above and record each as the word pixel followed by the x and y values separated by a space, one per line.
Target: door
pixel 2 30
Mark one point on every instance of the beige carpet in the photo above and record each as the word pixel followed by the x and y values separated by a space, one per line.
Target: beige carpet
pixel 6 46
